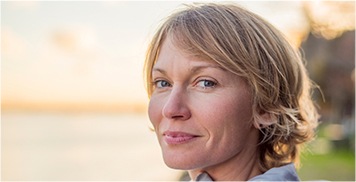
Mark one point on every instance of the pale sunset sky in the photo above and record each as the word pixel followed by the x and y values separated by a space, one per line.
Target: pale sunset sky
pixel 89 52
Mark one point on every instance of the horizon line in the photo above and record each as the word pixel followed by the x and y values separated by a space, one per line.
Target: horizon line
pixel 70 107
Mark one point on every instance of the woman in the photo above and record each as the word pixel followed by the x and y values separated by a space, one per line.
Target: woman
pixel 229 97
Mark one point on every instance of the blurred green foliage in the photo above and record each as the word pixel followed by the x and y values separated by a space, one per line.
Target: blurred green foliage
pixel 331 64
pixel 337 165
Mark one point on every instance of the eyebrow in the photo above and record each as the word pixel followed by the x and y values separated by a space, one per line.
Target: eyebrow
pixel 194 69
pixel 197 69
pixel 159 70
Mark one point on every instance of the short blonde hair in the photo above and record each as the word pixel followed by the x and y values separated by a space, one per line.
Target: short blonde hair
pixel 248 46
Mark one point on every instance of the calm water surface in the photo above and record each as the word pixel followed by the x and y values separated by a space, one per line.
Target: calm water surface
pixel 80 147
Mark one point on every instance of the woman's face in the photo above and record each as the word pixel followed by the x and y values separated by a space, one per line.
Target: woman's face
pixel 201 112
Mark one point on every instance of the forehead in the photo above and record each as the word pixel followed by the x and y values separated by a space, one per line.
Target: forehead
pixel 169 52
pixel 171 48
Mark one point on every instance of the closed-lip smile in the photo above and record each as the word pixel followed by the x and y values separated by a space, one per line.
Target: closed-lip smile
pixel 177 137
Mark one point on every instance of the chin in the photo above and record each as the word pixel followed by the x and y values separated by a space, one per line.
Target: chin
pixel 182 163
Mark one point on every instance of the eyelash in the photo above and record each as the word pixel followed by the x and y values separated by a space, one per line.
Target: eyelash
pixel 204 81
pixel 206 84
pixel 155 83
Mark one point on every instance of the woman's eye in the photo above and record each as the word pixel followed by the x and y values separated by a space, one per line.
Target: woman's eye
pixel 206 83
pixel 162 84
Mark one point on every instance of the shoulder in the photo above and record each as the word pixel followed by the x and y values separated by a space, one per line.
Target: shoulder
pixel 283 173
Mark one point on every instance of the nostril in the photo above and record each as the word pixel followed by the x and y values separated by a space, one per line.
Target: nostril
pixel 179 114
pixel 176 112
pixel 177 117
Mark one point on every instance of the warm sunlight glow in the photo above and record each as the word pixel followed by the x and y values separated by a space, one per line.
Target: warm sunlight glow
pixel 331 18
pixel 93 52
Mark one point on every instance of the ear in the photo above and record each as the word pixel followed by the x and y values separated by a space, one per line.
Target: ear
pixel 264 119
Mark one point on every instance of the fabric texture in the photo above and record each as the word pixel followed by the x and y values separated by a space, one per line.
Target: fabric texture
pixel 283 173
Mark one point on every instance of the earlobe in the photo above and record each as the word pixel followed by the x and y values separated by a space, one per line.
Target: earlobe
pixel 265 119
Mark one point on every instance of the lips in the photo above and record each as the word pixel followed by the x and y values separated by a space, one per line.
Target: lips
pixel 175 138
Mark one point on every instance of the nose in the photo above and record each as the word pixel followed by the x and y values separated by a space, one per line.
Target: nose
pixel 176 106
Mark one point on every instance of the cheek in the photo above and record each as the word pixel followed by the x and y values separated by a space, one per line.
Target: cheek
pixel 154 112
pixel 236 109
pixel 228 117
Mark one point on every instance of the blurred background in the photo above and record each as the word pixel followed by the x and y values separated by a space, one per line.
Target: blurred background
pixel 73 103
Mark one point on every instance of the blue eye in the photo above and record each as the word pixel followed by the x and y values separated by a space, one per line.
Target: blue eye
pixel 162 84
pixel 206 84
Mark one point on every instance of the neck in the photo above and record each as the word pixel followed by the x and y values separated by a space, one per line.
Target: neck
pixel 242 167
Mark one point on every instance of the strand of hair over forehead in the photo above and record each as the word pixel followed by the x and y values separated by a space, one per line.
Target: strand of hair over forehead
pixel 228 36
pixel 242 52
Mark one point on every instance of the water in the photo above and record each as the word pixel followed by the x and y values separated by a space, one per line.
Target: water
pixel 80 147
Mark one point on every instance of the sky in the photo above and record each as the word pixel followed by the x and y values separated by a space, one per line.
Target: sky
pixel 87 52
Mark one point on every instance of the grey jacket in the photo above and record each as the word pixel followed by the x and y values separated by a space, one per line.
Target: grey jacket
pixel 283 173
